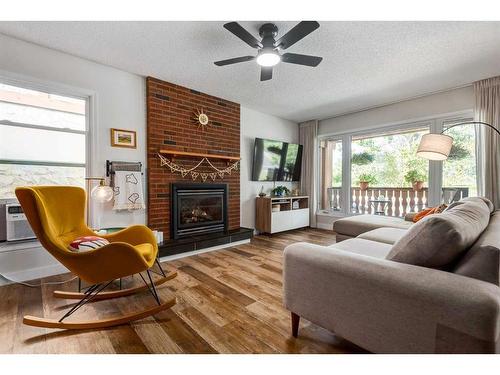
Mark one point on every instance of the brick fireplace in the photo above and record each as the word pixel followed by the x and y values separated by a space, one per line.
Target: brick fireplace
pixel 170 125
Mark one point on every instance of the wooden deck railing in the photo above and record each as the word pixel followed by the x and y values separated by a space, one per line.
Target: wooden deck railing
pixel 402 200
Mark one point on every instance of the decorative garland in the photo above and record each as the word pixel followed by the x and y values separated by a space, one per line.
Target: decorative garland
pixel 194 175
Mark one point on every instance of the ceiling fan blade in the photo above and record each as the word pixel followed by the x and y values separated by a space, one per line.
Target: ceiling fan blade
pixel 234 60
pixel 266 73
pixel 299 31
pixel 244 35
pixel 296 58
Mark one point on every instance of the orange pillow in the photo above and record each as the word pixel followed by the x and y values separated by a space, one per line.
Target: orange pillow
pixel 420 215
pixel 428 211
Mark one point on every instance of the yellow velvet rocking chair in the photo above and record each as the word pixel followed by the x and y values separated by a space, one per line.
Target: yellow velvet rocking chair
pixel 56 215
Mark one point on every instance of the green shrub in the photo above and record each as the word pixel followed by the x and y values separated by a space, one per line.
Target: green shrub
pixel 362 158
pixel 458 152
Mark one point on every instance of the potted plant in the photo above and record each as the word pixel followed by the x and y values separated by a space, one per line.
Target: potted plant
pixel 280 191
pixel 416 179
pixel 365 179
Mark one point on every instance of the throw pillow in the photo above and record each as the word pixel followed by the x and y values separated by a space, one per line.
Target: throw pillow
pixel 454 204
pixel 473 199
pixel 420 215
pixel 484 199
pixel 429 211
pixel 437 240
pixel 87 243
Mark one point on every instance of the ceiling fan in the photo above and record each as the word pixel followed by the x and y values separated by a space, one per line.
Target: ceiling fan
pixel 268 49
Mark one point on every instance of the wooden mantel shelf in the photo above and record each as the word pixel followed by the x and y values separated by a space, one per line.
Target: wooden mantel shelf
pixel 175 153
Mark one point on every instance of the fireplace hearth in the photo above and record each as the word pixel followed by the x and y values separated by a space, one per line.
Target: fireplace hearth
pixel 198 209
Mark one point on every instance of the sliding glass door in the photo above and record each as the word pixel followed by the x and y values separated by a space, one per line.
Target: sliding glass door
pixel 331 175
pixel 459 170
pixel 378 172
pixel 385 172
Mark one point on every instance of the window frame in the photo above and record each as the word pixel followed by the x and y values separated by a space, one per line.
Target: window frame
pixel 90 98
pixel 435 177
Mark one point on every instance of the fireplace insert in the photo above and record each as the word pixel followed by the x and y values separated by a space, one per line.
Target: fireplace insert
pixel 198 209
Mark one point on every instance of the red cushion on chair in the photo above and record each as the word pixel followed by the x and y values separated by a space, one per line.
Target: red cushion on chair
pixel 87 243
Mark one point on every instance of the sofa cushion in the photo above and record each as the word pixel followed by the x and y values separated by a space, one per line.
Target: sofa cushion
pixel 385 235
pixel 490 205
pixel 482 260
pixel 437 240
pixel 355 225
pixel 472 199
pixel 363 247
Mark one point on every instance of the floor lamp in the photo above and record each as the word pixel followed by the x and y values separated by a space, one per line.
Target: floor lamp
pixel 438 146
pixel 100 193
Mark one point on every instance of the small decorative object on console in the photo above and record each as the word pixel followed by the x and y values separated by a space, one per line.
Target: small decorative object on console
pixel 280 191
pixel 262 194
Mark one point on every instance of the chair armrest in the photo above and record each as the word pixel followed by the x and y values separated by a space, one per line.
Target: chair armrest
pixel 106 263
pixel 133 235
pixel 386 306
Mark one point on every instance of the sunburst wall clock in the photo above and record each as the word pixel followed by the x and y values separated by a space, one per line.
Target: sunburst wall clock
pixel 201 118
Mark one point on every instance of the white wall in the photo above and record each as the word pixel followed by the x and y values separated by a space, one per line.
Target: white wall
pixel 429 106
pixel 256 124
pixel 119 103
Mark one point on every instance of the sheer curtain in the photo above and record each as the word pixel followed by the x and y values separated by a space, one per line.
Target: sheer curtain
pixel 308 132
pixel 487 109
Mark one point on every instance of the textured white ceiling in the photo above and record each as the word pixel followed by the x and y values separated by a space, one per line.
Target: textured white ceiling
pixel 365 64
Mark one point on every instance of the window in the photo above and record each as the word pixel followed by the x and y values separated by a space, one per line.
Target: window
pixel 380 168
pixel 387 158
pixel 42 139
pixel 459 170
pixel 379 172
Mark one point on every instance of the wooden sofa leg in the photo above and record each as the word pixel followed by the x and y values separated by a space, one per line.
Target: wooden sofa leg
pixel 295 324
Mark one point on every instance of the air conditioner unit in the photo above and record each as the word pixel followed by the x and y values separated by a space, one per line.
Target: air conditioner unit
pixel 17 225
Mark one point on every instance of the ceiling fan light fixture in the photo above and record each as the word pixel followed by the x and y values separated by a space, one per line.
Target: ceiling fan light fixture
pixel 269 50
pixel 268 58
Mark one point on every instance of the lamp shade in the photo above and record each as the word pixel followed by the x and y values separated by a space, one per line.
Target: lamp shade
pixel 435 146
pixel 102 193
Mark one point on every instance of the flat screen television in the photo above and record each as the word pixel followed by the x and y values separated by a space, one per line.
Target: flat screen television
pixel 276 161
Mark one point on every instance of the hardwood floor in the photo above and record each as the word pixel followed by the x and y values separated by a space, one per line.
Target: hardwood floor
pixel 228 301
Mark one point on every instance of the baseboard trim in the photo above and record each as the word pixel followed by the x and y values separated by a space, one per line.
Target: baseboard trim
pixel 327 226
pixel 201 251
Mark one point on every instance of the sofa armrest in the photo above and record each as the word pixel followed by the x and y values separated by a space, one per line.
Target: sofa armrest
pixel 385 306
pixel 409 216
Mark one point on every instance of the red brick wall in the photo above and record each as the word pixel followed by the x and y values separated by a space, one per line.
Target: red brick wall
pixel 170 125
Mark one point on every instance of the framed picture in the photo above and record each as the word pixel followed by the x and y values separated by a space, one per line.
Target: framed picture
pixel 123 138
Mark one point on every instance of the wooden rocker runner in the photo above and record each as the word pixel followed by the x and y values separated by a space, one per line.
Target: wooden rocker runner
pixel 56 215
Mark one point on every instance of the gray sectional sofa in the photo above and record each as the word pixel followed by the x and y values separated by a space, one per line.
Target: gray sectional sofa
pixel 429 287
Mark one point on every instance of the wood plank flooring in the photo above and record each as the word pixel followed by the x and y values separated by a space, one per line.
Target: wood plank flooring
pixel 228 301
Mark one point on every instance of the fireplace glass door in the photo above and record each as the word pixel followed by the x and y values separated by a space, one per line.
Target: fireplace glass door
pixel 199 211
